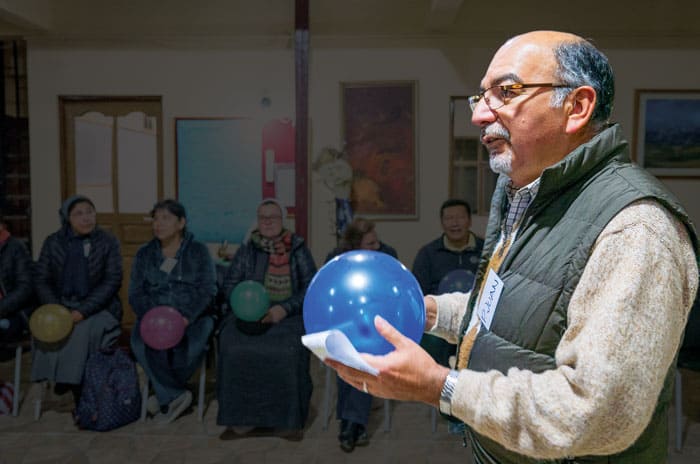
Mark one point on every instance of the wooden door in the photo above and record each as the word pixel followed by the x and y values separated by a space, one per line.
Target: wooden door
pixel 112 152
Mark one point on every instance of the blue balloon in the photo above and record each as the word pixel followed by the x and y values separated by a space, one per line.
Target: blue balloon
pixel 459 280
pixel 352 288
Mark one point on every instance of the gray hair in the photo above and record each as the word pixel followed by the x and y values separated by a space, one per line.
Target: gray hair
pixel 580 63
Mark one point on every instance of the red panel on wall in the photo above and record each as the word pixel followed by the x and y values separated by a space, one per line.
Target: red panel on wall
pixel 278 162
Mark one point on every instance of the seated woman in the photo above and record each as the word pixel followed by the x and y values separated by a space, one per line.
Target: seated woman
pixel 354 405
pixel 263 380
pixel 172 270
pixel 16 290
pixel 79 267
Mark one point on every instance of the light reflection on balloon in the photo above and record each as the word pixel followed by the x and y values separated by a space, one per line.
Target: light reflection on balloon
pixel 353 287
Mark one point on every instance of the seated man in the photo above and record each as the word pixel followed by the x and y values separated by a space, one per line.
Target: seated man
pixel 457 248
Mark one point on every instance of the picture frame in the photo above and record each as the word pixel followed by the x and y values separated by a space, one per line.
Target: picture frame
pixel 378 121
pixel 667 132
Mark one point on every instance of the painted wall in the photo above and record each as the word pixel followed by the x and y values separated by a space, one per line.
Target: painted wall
pixel 219 83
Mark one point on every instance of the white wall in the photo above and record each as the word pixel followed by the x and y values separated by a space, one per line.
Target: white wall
pixel 656 69
pixel 192 83
pixel 218 83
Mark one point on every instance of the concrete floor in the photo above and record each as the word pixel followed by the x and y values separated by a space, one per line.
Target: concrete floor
pixel 54 438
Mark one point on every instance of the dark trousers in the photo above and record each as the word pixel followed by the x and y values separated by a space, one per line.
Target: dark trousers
pixel 353 404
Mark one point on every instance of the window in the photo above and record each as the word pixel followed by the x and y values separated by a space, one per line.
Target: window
pixel 471 177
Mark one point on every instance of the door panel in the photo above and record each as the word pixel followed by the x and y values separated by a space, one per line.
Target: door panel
pixel 111 151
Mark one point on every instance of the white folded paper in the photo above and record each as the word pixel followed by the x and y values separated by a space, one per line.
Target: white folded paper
pixel 335 344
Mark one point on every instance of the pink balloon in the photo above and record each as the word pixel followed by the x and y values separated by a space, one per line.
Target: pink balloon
pixel 162 327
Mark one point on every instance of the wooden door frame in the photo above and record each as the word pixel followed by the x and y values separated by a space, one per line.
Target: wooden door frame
pixel 130 104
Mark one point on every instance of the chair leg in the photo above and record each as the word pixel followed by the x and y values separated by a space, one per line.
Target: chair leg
pixel 18 370
pixel 327 397
pixel 387 415
pixel 202 384
pixel 144 399
pixel 679 411
pixel 43 385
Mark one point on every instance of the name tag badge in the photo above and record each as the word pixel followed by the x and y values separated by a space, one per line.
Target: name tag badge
pixel 86 248
pixel 489 299
pixel 168 265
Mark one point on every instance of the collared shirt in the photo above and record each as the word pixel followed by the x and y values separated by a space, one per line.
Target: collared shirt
pixel 471 243
pixel 518 201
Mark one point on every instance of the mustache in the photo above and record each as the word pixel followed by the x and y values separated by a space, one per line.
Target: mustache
pixel 496 130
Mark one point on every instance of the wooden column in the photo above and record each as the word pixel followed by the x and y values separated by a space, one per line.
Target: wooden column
pixel 301 74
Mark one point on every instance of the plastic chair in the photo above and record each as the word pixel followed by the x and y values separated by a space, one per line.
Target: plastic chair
pixel 201 388
pixel 20 346
pixel 16 383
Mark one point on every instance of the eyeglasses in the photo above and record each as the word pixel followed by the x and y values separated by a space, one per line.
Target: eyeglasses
pixel 275 217
pixel 500 95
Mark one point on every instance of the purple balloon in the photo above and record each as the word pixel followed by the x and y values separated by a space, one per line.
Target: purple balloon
pixel 162 327
pixel 459 280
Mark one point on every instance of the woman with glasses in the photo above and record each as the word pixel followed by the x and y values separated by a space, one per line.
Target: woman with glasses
pixel 263 381
pixel 79 267
pixel 172 270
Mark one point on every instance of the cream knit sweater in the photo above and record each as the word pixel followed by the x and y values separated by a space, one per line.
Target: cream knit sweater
pixel 625 321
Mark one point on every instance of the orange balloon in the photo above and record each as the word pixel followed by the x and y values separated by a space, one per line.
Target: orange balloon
pixel 51 323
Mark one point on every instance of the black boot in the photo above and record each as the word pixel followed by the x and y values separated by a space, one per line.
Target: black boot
pixel 346 437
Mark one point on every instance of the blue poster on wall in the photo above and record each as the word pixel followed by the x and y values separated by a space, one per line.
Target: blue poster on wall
pixel 219 176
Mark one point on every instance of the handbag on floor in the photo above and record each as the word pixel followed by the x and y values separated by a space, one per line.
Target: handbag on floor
pixel 110 396
pixel 7 393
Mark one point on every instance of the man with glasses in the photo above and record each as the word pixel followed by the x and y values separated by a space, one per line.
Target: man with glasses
pixel 567 343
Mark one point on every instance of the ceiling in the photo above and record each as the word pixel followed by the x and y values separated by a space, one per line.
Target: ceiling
pixel 347 23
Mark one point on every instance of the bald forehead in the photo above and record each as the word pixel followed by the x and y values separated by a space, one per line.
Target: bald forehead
pixel 527 58
pixel 549 39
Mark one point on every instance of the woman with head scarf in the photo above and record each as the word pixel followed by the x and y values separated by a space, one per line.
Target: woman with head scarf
pixel 172 270
pixel 263 381
pixel 79 267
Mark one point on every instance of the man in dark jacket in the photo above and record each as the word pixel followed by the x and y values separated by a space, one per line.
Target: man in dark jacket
pixel 458 248
pixel 15 286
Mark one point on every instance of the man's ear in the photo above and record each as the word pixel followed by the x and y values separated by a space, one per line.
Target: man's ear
pixel 579 107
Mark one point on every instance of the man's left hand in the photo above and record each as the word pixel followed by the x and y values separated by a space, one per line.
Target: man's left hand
pixel 408 373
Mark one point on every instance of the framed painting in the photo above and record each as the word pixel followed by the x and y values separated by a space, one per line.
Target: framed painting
pixel 379 137
pixel 667 132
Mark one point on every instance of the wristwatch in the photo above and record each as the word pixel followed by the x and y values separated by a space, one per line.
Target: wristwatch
pixel 448 389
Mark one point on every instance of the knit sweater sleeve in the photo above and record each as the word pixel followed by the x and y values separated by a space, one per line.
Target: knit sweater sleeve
pixel 626 319
pixel 451 308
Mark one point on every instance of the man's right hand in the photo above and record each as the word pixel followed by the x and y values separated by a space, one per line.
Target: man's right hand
pixel 430 312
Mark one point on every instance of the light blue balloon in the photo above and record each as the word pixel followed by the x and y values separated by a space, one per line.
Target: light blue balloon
pixel 352 288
